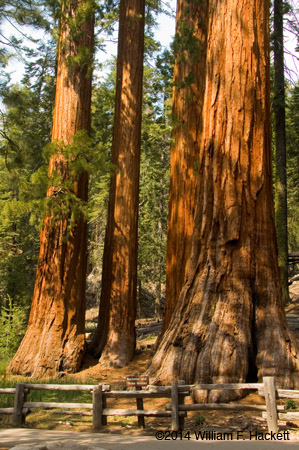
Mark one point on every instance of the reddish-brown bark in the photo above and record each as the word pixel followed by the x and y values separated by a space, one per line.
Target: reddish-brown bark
pixel 229 323
pixel 188 97
pixel 115 336
pixel 54 340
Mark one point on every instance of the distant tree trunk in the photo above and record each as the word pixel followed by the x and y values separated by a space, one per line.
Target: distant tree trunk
pixel 229 323
pixel 158 301
pixel 281 211
pixel 188 94
pixel 115 335
pixel 54 340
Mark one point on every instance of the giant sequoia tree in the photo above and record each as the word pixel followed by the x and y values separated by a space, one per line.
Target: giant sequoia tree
pixel 115 334
pixel 54 339
pixel 229 322
pixel 188 93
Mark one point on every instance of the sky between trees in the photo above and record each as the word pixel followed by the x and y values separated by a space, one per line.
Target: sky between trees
pixel 164 33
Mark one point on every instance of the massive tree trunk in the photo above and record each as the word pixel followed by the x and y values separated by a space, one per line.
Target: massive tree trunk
pixel 188 94
pixel 54 340
pixel 229 323
pixel 115 337
pixel 281 211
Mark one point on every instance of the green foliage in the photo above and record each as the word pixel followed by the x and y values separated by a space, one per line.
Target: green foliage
pixel 75 19
pixel 24 131
pixel 83 58
pixel 154 177
pixel 7 400
pixel 186 43
pixel 186 47
pixel 291 404
pixel 12 328
pixel 106 17
pixel 102 125
pixel 200 420
pixel 292 125
pixel 18 13
pixel 3 365
pixel 22 11
pixel 79 157
pixel 84 12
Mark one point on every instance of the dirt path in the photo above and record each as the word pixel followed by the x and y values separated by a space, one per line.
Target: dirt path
pixel 12 437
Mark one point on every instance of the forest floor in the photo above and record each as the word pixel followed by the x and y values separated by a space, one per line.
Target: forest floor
pixel 293 307
pixel 147 331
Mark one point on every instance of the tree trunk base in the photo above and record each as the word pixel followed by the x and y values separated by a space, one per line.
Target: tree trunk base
pixel 40 357
pixel 118 354
pixel 226 338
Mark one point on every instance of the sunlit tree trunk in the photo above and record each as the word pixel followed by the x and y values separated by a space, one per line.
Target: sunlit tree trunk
pixel 229 323
pixel 281 210
pixel 188 94
pixel 54 340
pixel 115 337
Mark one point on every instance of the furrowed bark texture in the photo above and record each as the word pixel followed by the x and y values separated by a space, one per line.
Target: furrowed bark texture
pixel 188 97
pixel 229 324
pixel 54 340
pixel 115 337
pixel 281 209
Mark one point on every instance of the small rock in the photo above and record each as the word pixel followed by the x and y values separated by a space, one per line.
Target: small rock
pixel 245 426
pixel 292 425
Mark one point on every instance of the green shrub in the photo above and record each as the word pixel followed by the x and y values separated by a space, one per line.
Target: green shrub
pixel 200 419
pixel 291 404
pixel 3 364
pixel 12 328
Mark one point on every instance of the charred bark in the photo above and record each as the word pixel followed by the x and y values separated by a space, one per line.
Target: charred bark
pixel 188 94
pixel 54 340
pixel 229 323
pixel 115 337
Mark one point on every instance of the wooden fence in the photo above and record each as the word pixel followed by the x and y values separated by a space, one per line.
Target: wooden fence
pixel 293 258
pixel 176 410
pixel 7 391
pixel 267 387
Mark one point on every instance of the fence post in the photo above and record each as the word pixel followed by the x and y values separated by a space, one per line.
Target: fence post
pixel 270 397
pixel 140 417
pixel 97 408
pixel 174 407
pixel 104 405
pixel 181 400
pixel 17 418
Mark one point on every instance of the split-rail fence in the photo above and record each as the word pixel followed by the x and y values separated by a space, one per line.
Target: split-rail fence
pixel 176 410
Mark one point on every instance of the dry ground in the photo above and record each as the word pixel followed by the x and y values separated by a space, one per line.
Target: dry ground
pixel 293 307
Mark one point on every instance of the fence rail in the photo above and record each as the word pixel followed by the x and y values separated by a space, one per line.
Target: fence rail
pixel 7 391
pixel 176 410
